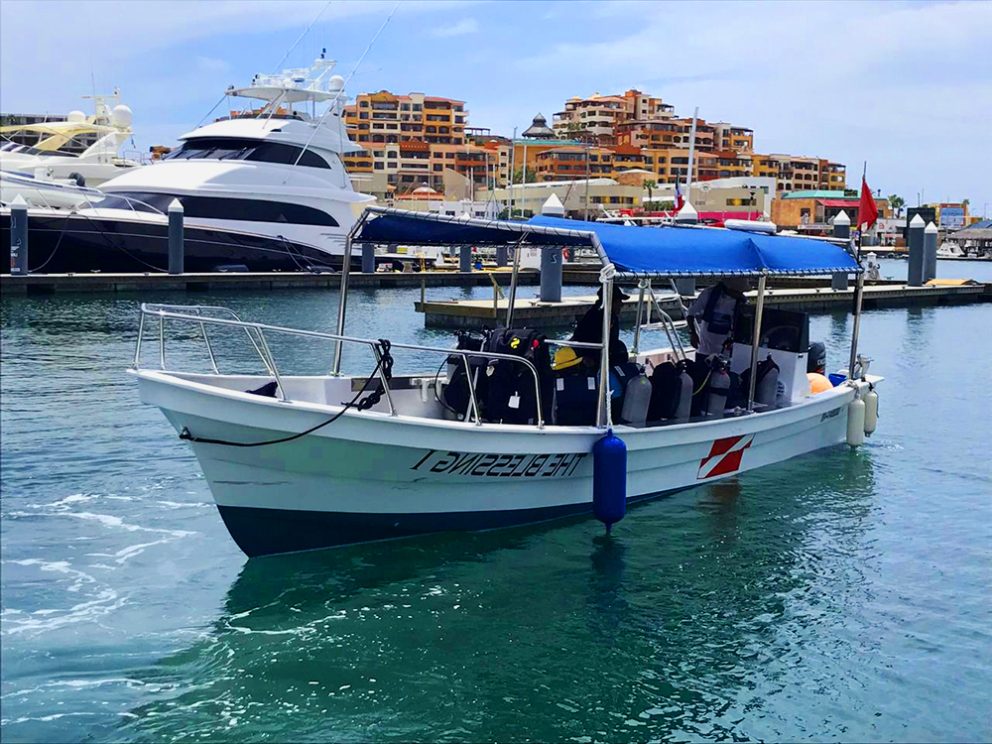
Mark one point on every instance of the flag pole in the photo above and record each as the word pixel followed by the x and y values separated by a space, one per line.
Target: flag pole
pixel 859 286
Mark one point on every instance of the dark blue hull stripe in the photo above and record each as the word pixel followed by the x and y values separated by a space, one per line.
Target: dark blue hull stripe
pixel 268 531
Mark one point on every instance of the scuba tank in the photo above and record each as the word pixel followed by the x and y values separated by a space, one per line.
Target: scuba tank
pixel 871 410
pixel 684 407
pixel 718 388
pixel 766 388
pixel 636 399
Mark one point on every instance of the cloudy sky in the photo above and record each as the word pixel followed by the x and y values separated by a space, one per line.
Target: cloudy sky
pixel 906 86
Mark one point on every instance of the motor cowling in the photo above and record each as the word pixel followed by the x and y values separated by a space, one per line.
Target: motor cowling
pixel 816 358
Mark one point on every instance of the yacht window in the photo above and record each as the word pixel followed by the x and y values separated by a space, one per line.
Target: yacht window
pixel 219 208
pixel 227 148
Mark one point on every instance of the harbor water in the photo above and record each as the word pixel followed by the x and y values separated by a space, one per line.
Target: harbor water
pixel 839 596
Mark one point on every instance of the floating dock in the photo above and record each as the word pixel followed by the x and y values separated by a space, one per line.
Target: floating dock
pixel 52 283
pixel 533 313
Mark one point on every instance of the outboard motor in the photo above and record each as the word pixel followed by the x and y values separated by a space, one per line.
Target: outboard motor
pixel 816 359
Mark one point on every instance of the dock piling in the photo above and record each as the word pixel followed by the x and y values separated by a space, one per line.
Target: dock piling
pixel 915 242
pixel 686 285
pixel 551 275
pixel 502 256
pixel 842 229
pixel 465 258
pixel 19 236
pixel 368 258
pixel 929 252
pixel 176 243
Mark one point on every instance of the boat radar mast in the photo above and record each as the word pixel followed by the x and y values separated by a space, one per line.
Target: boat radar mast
pixel 294 85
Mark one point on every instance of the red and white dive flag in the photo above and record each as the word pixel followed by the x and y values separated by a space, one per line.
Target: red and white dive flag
pixel 724 456
pixel 867 209
pixel 679 200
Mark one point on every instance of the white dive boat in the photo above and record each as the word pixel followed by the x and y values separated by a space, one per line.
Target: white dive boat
pixel 292 466
pixel 57 159
pixel 263 189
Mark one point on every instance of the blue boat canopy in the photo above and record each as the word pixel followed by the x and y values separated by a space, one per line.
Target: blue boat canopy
pixel 645 251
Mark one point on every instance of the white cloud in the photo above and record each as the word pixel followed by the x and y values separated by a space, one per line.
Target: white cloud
pixel 461 28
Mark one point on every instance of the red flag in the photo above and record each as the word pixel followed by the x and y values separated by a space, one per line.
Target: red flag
pixel 867 210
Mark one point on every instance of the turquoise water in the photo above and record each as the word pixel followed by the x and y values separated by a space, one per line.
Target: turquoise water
pixel 839 596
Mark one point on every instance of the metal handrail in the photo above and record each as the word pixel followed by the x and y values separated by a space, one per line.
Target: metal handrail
pixel 668 324
pixel 646 291
pixel 169 312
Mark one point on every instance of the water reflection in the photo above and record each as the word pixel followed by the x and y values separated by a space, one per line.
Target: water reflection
pixel 545 632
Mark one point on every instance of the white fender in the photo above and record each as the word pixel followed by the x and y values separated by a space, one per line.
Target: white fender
pixel 871 411
pixel 856 422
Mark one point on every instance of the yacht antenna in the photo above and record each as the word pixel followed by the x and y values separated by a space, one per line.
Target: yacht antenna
pixel 337 97
pixel 301 36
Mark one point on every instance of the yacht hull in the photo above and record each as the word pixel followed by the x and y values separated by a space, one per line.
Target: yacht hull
pixel 79 243
pixel 373 476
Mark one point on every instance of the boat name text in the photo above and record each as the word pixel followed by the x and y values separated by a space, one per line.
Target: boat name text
pixel 499 466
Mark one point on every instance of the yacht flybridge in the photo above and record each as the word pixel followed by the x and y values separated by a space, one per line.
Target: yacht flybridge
pixel 58 170
pixel 263 188
pixel 489 434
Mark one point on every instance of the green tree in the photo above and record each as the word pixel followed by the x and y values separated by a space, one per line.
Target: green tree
pixel 897 203
pixel 518 176
pixel 649 185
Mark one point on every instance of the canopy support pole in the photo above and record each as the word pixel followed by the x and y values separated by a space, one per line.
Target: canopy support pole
pixel 513 282
pixel 343 300
pixel 642 284
pixel 759 309
pixel 605 416
pixel 858 294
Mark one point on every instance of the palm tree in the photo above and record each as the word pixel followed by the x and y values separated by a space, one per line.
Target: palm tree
pixel 649 184
pixel 897 203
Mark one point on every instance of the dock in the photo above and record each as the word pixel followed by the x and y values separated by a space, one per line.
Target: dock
pixel 533 313
pixel 208 282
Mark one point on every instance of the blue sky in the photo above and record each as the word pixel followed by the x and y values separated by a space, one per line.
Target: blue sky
pixel 905 86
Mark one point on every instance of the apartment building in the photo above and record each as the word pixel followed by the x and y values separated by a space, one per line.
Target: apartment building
pixel 412 139
pixel 646 133
pixel 574 161
pixel 387 118
pixel 596 118
pixel 795 173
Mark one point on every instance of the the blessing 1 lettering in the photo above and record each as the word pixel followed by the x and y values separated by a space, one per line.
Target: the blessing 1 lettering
pixel 499 466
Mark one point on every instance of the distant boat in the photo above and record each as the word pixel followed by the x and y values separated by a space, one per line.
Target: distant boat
pixel 263 189
pixel 53 157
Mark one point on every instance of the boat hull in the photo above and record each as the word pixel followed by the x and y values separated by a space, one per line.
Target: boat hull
pixel 372 476
pixel 78 243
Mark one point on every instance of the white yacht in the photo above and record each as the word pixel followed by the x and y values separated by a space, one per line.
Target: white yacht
pixel 262 189
pixel 56 161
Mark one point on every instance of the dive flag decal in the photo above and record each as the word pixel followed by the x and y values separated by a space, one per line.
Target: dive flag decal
pixel 724 457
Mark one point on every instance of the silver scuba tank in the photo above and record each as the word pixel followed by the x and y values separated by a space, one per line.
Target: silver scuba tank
pixel 718 388
pixel 636 399
pixel 766 389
